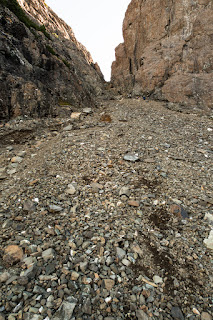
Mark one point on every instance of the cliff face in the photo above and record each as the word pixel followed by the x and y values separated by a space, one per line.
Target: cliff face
pixel 42 67
pixel 167 51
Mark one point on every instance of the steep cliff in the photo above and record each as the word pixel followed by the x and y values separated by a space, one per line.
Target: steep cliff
pixel 42 66
pixel 167 51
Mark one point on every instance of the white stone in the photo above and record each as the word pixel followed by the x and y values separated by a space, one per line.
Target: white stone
pixel 157 280
pixel 71 189
pixel 126 262
pixel 209 242
pixel 209 216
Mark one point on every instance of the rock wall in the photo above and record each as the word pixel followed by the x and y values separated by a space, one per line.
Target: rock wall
pixel 43 72
pixel 167 51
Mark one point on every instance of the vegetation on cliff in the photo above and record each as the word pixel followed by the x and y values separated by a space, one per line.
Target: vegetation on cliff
pixel 14 6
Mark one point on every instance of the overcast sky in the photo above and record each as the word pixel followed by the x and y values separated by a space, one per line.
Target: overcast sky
pixel 97 24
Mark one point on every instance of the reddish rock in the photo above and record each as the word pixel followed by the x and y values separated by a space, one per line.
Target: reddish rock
pixel 167 51
pixel 13 254
pixel 109 284
pixel 133 203
pixel 106 118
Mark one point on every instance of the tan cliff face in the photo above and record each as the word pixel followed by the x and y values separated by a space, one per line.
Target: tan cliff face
pixel 41 71
pixel 167 51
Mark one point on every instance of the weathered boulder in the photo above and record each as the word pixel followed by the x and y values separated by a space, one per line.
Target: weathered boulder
pixel 44 69
pixel 167 51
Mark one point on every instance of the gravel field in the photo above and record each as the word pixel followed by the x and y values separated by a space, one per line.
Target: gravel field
pixel 107 215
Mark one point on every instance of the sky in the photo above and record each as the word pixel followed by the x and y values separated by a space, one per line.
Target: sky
pixel 97 24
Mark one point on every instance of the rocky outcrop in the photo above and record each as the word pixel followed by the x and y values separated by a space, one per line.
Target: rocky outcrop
pixel 44 70
pixel 167 51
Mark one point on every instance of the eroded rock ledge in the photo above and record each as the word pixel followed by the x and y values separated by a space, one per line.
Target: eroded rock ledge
pixel 167 51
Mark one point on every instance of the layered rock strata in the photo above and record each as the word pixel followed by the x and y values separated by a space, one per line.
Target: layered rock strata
pixel 43 69
pixel 167 51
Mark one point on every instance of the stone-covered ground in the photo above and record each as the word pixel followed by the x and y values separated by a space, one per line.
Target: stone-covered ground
pixel 107 215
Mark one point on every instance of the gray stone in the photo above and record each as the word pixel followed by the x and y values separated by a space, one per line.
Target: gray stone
pixel 177 313
pixel 68 128
pixel 124 191
pixel 4 276
pixel 65 311
pixel 48 254
pixel 29 206
pixel 30 272
pixel 54 209
pixel 84 266
pixel 142 315
pixel 120 253
pixel 87 308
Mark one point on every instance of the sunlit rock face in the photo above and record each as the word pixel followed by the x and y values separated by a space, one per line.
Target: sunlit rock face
pixel 167 51
pixel 43 70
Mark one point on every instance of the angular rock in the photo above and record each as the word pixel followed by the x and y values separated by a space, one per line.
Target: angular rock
pixel 48 254
pixel 209 241
pixel 177 313
pixel 126 262
pixel 141 315
pixel 96 186
pixel 54 208
pixel 133 203
pixel 109 284
pixel 65 311
pixel 87 307
pixel 84 266
pixel 68 128
pixel 124 191
pixel 120 253
pixel 178 211
pixel 29 206
pixel 75 115
pixel 75 275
